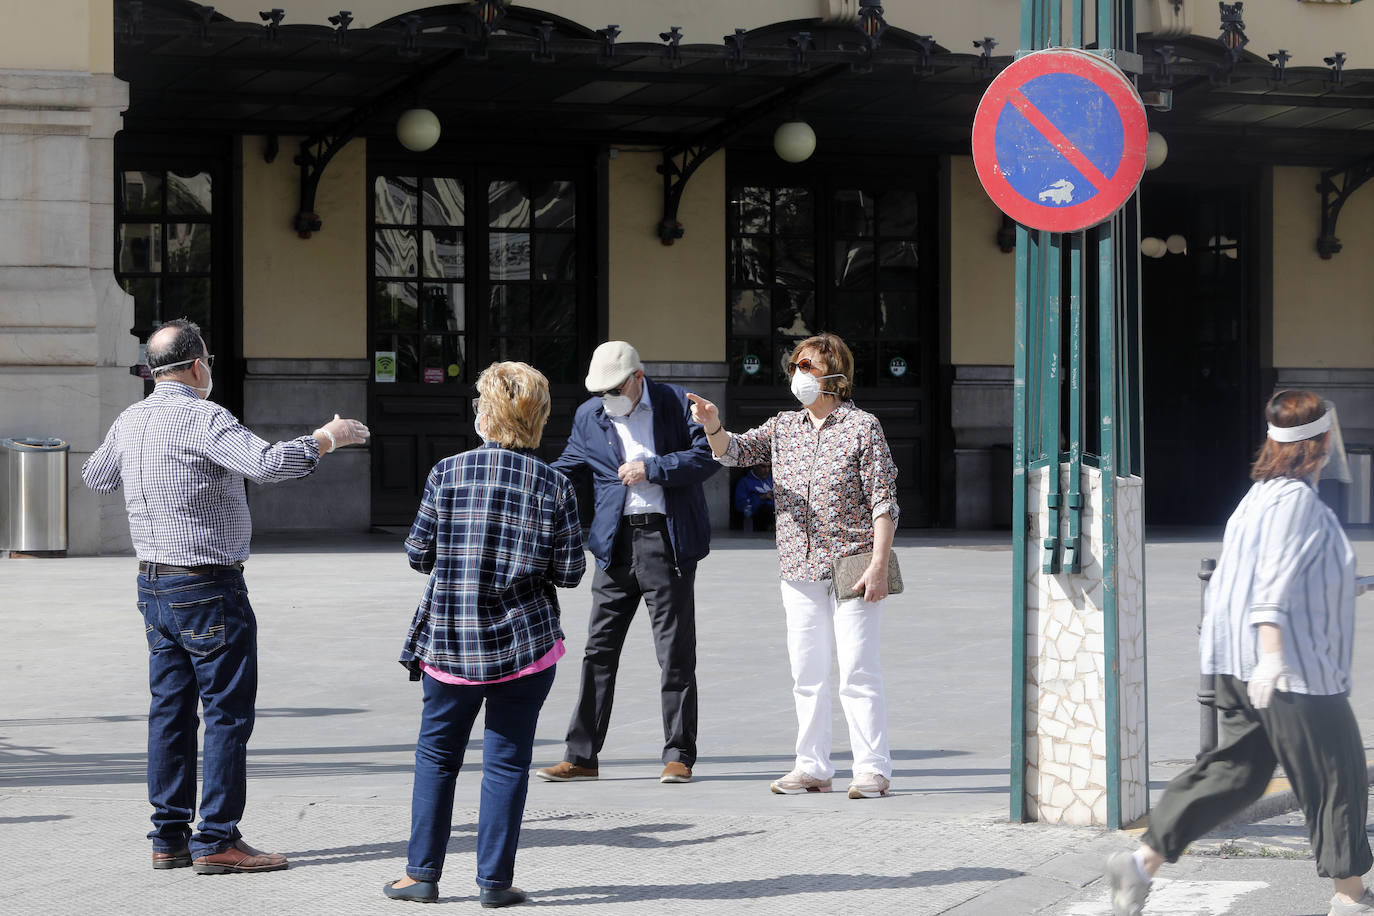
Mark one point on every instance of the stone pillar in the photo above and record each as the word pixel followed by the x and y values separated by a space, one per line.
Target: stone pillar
pixel 1069 749
pixel 286 398
pixel 65 346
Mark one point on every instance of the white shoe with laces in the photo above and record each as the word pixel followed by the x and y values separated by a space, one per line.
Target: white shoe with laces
pixel 1364 905
pixel 1129 889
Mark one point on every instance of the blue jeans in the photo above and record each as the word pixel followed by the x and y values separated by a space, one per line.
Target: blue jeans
pixel 507 749
pixel 202 651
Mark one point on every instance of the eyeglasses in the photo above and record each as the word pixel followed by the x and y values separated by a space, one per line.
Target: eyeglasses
pixel 614 392
pixel 475 402
pixel 803 364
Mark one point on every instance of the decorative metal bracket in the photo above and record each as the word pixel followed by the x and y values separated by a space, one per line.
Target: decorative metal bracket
pixel 609 34
pixel 983 65
pixel 734 51
pixel 672 53
pixel 341 23
pixel 680 162
pixel 1164 67
pixel 1334 197
pixel 1337 64
pixel 1280 60
pixel 318 149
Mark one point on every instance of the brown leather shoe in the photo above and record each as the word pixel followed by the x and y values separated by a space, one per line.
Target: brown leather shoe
pixel 238 858
pixel 566 772
pixel 676 771
pixel 179 858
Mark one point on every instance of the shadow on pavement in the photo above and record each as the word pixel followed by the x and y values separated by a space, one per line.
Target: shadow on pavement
pixel 781 886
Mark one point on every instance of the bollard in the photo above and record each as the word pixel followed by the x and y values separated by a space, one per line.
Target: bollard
pixel 1207 688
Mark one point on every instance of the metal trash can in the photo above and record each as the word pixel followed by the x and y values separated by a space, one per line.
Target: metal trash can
pixel 1357 494
pixel 33 496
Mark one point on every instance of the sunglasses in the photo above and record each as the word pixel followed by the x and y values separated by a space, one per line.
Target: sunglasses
pixel 803 364
pixel 614 392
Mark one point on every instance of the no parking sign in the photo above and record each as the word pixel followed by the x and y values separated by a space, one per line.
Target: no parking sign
pixel 1059 140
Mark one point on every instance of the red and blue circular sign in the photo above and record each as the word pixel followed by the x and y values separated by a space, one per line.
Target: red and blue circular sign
pixel 1059 140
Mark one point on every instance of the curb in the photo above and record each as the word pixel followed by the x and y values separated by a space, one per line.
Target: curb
pixel 1279 798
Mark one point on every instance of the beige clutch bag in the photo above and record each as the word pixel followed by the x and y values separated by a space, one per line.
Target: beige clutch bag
pixel 846 570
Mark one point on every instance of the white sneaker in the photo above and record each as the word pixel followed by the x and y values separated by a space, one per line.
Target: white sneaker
pixel 1129 890
pixel 1364 905
pixel 799 782
pixel 869 785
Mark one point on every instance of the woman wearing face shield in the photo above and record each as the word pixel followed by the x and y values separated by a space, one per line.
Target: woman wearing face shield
pixel 834 485
pixel 1277 634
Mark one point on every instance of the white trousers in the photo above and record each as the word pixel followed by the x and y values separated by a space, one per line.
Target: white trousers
pixel 815 621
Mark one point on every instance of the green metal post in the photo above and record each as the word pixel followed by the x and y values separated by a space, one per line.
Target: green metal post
pixel 1018 529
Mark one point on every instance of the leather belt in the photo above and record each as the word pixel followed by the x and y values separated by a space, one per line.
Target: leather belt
pixel 646 519
pixel 167 569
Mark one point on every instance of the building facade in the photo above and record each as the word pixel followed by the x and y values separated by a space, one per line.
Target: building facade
pixel 607 169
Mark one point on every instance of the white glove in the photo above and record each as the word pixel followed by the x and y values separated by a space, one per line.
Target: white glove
pixel 341 432
pixel 1269 675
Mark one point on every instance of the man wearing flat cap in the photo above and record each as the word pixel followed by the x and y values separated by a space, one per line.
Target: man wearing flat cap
pixel 647 460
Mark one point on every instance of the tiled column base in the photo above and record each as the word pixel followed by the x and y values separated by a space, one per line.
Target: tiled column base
pixel 1066 721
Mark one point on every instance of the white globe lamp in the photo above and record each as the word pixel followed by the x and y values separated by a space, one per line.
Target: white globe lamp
pixel 418 129
pixel 794 141
pixel 1156 150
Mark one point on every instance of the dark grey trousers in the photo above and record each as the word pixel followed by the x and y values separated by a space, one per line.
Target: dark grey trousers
pixel 1317 741
pixel 642 565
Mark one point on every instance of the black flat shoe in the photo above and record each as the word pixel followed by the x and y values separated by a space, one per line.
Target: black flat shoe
pixel 420 891
pixel 502 896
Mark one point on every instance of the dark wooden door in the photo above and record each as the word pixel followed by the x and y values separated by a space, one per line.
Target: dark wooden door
pixel 470 264
pixel 852 251
pixel 1201 327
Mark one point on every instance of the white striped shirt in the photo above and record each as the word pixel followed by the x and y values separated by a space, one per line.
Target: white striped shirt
pixel 1284 560
pixel 182 462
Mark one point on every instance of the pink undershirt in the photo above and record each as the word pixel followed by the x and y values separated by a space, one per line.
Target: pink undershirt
pixel 547 660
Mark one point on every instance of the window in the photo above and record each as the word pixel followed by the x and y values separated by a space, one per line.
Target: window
pixel 165 247
pixel 419 266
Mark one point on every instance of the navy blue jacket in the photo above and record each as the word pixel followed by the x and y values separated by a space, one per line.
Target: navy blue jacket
pixel 683 461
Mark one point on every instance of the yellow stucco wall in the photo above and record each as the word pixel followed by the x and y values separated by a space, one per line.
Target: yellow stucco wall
pixel 668 300
pixel 57 35
pixel 982 279
pixel 304 298
pixel 1323 310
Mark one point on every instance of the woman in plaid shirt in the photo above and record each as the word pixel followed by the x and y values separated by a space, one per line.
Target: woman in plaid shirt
pixel 835 487
pixel 497 531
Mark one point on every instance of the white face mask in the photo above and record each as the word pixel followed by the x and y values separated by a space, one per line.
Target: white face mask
pixel 205 392
pixel 807 387
pixel 477 425
pixel 617 405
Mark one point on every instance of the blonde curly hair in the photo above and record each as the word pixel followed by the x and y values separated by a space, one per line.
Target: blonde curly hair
pixel 514 398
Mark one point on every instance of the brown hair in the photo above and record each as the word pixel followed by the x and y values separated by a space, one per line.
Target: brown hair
pixel 1291 459
pixel 838 361
pixel 514 397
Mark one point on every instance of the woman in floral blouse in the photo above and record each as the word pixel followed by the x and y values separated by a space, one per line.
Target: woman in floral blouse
pixel 835 488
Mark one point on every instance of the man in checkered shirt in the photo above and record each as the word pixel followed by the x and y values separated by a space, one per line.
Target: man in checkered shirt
pixel 182 460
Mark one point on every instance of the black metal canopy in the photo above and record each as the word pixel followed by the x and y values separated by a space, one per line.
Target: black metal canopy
pixel 522 75
pixel 494 72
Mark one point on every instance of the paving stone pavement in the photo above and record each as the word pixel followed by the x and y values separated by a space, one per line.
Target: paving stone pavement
pixel 330 761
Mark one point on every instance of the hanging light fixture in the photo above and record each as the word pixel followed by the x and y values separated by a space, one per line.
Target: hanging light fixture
pixel 1176 244
pixel 794 141
pixel 418 129
pixel 1156 150
pixel 1153 247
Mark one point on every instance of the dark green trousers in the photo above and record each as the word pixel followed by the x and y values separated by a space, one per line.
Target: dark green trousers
pixel 1318 743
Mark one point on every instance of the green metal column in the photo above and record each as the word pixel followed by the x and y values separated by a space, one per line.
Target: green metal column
pixel 1053 397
